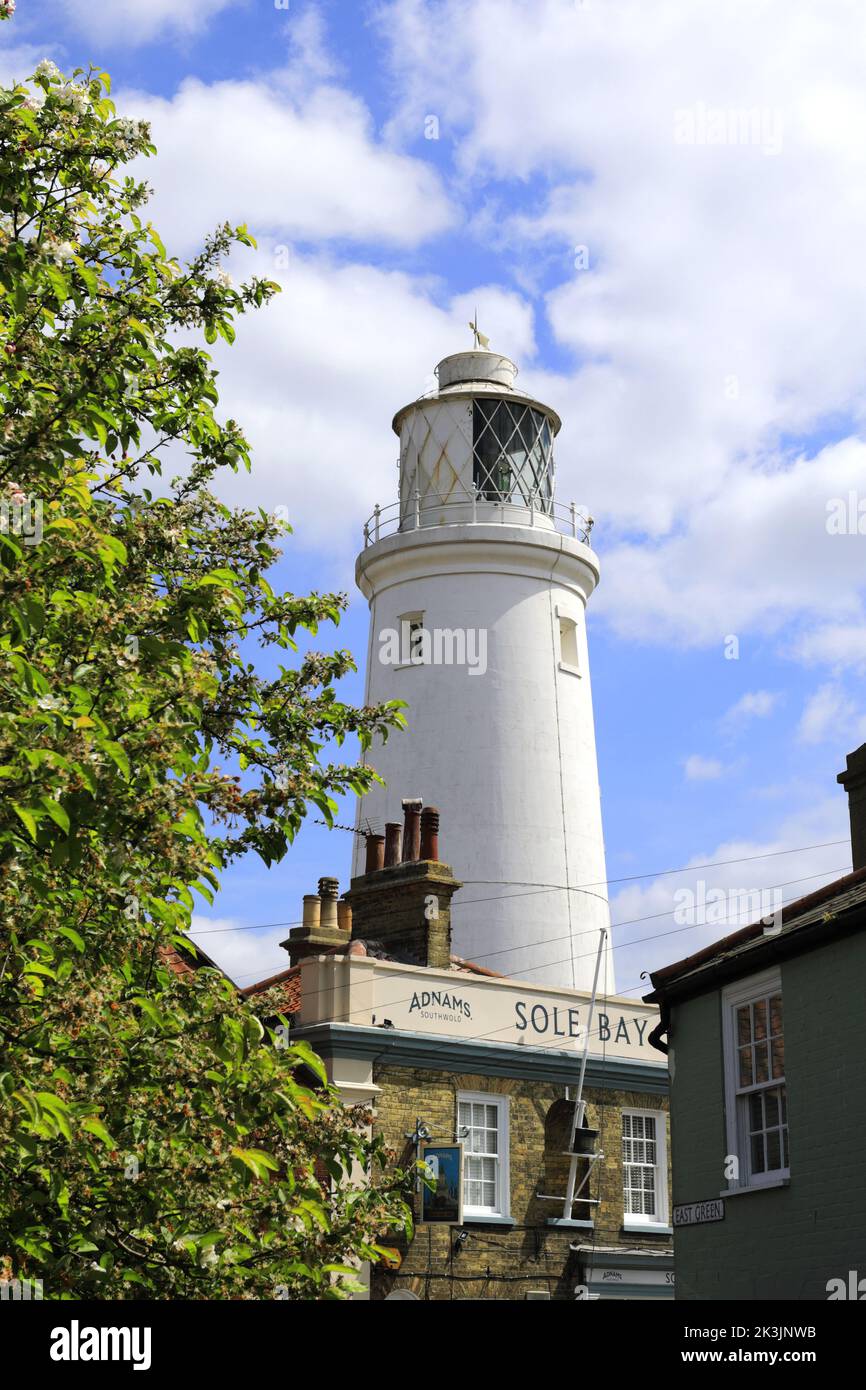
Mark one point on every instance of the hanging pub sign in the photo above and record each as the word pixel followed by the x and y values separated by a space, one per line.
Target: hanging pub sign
pixel 442 1183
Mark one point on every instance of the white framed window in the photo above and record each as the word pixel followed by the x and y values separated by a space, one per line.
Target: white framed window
pixel 482 1128
pixel 756 1104
pixel 413 642
pixel 644 1168
pixel 569 658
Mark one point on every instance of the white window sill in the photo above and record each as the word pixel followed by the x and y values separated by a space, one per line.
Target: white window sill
pixel 756 1187
pixel 647 1228
pixel 568 670
pixel 486 1218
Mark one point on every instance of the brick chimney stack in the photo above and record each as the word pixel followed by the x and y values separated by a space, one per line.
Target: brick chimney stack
pixel 853 779
pixel 406 905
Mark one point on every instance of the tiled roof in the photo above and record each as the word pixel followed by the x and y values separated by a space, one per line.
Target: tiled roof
pixel 826 903
pixel 186 963
pixel 287 987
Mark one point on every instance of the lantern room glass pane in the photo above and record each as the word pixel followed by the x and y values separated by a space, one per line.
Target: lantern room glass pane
pixel 512 451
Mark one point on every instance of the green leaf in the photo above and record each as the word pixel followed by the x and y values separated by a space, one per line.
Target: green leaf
pixel 56 812
pixel 27 819
pixel 97 1128
pixel 72 935
pixel 117 756
pixel 257 1160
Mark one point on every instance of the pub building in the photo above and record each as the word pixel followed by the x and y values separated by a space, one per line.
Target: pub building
pixel 446 1052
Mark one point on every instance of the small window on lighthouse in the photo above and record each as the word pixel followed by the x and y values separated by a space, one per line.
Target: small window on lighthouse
pixel 412 639
pixel 568 657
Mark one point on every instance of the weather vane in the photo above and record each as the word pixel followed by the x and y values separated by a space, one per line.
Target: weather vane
pixel 480 340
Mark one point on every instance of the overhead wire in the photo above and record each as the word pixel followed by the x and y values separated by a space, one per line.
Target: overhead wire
pixel 627 922
pixel 565 887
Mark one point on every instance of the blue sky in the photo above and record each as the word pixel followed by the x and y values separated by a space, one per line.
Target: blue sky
pixel 708 363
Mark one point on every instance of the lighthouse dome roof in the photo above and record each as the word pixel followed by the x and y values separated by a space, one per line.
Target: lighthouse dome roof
pixel 477 372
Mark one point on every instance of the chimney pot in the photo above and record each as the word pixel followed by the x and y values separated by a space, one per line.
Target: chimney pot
pixel 393 843
pixel 312 914
pixel 329 889
pixel 430 833
pixel 375 854
pixel 411 829
pixel 344 916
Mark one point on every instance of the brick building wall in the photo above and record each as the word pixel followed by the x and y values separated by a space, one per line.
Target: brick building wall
pixel 496 1261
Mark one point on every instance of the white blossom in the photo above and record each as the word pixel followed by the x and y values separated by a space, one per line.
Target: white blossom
pixel 224 280
pixel 74 97
pixel 47 69
pixel 131 130
pixel 60 251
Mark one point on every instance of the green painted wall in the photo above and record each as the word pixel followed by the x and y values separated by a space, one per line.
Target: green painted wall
pixel 784 1243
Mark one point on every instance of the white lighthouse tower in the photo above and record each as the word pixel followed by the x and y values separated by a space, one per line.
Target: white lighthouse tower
pixel 478 581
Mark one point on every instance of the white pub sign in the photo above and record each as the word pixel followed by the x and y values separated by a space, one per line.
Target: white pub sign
pixel 370 992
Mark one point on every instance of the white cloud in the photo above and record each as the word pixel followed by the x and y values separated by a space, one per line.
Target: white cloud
pixel 246 956
pixel 138 21
pixel 292 159
pixel 18 60
pixel 755 704
pixel 737 562
pixel 721 315
pixel 837 645
pixel 700 769
pixel 830 714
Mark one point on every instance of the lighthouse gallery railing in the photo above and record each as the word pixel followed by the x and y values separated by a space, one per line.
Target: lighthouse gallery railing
pixel 428 511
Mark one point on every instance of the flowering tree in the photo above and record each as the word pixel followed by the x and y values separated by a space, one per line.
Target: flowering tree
pixel 156 1137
